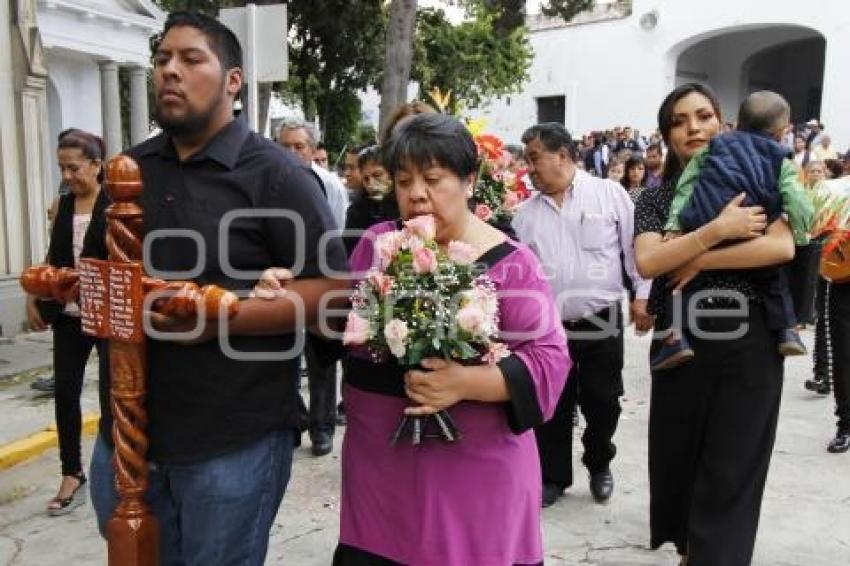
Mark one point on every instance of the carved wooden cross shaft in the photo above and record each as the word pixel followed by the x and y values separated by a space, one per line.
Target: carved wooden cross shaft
pixel 111 295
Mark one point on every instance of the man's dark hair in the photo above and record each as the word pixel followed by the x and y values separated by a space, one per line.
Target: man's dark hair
pixel 514 150
pixel 835 167
pixel 371 154
pixel 222 41
pixel 553 136
pixel 426 140
pixel 654 147
pixel 763 111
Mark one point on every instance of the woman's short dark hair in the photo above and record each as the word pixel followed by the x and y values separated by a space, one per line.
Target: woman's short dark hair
pixel 426 140
pixel 553 136
pixel 90 145
pixel 673 166
pixel 222 41
pixel 631 163
pixel 371 154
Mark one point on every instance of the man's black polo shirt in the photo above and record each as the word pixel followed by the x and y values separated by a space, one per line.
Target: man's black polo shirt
pixel 201 402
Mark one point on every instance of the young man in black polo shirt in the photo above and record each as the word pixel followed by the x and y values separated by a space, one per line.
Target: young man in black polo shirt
pixel 222 421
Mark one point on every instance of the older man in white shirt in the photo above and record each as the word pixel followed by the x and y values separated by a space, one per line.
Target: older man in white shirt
pixel 581 228
pixel 300 137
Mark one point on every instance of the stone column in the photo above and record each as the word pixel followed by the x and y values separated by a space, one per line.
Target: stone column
pixel 110 99
pixel 36 162
pixel 138 105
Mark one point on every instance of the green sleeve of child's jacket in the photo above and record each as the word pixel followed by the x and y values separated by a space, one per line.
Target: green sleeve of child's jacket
pixel 796 203
pixel 685 189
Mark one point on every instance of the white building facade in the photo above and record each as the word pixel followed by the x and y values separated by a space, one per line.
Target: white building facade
pixel 615 65
pixel 59 68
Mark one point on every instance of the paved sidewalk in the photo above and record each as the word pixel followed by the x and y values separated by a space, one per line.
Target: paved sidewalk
pixel 805 517
pixel 24 411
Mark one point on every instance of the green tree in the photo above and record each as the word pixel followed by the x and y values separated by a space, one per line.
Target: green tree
pixel 487 55
pixel 476 59
pixel 566 9
pixel 336 50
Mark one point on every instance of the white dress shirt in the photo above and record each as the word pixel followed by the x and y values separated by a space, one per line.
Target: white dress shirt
pixel 579 244
pixel 336 193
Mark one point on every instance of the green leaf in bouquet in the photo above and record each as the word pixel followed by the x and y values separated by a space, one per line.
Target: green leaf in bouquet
pixel 464 350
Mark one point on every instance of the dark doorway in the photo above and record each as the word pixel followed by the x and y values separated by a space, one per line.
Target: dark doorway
pixel 551 109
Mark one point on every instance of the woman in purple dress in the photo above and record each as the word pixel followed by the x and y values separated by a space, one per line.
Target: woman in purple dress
pixel 475 501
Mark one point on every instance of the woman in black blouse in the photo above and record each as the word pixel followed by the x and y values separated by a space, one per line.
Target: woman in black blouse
pixel 713 419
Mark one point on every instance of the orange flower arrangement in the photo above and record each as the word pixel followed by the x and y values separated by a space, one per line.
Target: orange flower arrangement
pixel 490 145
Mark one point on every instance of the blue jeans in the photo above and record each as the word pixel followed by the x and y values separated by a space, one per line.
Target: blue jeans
pixel 217 512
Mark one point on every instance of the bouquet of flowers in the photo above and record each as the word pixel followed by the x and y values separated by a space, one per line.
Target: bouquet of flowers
pixel 497 193
pixel 830 218
pixel 423 301
pixel 831 226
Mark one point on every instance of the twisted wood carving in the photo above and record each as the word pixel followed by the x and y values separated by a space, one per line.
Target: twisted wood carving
pixel 132 531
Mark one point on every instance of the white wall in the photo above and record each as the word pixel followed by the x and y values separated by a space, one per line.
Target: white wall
pixel 615 72
pixel 122 37
pixel 77 81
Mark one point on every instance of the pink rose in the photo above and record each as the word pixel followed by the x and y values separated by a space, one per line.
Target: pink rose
pixel 471 318
pixel 356 330
pixel 387 246
pixel 496 352
pixel 511 200
pixel 485 299
pixel 424 261
pixel 411 242
pixel 483 212
pixel 396 333
pixel 461 253
pixel 382 283
pixel 422 226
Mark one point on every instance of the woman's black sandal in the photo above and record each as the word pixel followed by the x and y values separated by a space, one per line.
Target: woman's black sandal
pixel 68 504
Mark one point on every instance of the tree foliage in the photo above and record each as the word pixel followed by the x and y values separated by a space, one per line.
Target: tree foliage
pixel 338 47
pixel 566 9
pixel 487 55
pixel 475 59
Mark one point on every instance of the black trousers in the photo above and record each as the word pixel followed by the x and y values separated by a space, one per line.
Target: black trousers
pixel 321 381
pixel 71 349
pixel 712 425
pixel 596 384
pixel 822 352
pixel 839 323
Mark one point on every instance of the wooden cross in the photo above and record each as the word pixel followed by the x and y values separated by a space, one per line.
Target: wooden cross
pixel 111 296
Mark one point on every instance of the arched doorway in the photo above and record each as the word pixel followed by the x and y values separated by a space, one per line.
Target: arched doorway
pixel 794 70
pixel 737 61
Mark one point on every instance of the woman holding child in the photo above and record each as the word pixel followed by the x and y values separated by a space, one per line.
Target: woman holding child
pixel 712 419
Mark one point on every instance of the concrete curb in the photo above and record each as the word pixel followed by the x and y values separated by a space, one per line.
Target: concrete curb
pixel 34 445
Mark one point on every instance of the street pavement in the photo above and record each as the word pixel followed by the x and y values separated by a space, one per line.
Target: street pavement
pixel 805 515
